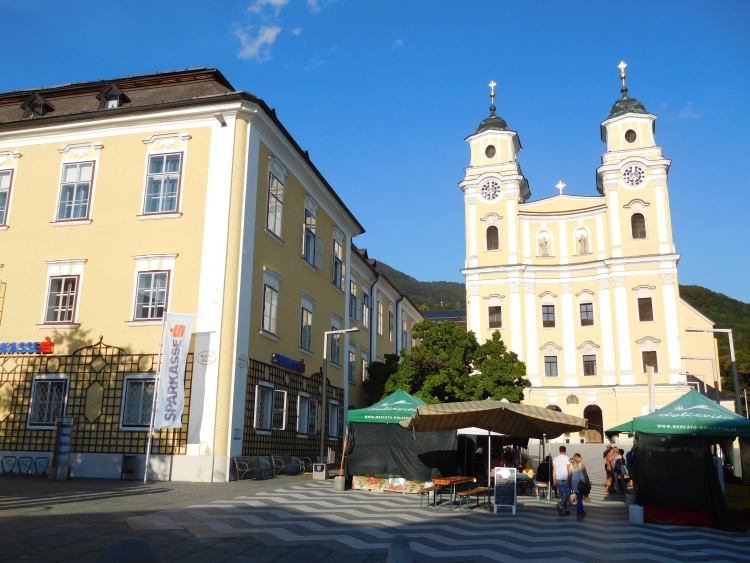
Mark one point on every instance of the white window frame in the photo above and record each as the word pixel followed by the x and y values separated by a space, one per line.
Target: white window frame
pixel 272 281
pixel 178 198
pixel 161 145
pixel 7 190
pixel 336 325
pixel 380 317
pixel 58 269
pixel 47 378
pixel 284 409
pixel 89 197
pixel 123 402
pixel 404 331
pixel 147 263
pixel 365 361
pixel 365 311
pixel 557 365
pixel 307 305
pixel 391 323
pixel 73 310
pixel 351 364
pixel 8 163
pixel 165 307
pixel 267 387
pixel 338 268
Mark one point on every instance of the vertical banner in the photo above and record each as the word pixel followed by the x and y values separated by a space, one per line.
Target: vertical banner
pixel 170 394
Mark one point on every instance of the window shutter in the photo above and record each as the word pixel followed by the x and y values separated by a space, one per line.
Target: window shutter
pixel 318 253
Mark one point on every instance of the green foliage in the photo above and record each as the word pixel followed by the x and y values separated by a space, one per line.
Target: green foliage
pixel 743 372
pixel 449 365
pixel 378 373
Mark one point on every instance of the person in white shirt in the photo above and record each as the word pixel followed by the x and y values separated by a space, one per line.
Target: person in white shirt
pixel 562 476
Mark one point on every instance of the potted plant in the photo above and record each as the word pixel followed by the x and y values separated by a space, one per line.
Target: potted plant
pixel 567 437
pixel 582 435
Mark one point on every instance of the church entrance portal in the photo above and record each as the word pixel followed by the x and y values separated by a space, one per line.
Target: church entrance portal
pixel 595 430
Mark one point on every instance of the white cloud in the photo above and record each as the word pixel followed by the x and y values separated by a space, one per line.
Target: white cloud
pixel 257 6
pixel 396 44
pixel 296 31
pixel 314 6
pixel 257 47
pixel 687 112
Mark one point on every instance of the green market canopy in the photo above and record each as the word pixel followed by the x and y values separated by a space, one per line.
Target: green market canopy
pixel 692 414
pixel 391 410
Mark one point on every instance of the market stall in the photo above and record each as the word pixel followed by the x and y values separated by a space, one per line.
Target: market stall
pixel 675 473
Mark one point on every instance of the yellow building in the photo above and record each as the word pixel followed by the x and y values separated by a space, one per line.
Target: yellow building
pixel 584 288
pixel 123 199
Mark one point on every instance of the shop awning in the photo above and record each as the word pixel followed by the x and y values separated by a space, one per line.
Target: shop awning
pixel 391 410
pixel 693 413
pixel 524 421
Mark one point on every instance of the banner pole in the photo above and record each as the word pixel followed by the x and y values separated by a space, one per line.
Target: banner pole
pixel 153 399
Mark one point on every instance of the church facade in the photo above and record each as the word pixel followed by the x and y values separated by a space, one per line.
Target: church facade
pixel 584 288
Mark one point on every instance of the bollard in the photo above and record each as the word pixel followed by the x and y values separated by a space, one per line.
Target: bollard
pixel 635 513
pixel 128 550
pixel 339 483
pixel 59 469
pixel 400 551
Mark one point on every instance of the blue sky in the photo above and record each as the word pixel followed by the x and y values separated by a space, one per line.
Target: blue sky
pixel 382 93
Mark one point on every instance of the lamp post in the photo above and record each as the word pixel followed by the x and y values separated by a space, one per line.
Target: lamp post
pixel 735 377
pixel 324 390
pixel 713 370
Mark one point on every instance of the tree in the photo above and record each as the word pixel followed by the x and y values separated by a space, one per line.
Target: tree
pixel 378 373
pixel 450 365
pixel 743 372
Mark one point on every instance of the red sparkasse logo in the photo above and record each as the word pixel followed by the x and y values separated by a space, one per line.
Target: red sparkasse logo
pixel 178 331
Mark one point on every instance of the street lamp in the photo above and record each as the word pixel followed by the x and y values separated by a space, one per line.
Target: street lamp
pixel 735 377
pixel 713 370
pixel 324 390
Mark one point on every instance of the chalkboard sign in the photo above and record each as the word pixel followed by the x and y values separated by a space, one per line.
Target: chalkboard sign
pixel 505 487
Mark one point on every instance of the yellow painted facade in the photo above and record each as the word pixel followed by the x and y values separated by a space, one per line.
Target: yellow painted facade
pixel 246 267
pixel 583 288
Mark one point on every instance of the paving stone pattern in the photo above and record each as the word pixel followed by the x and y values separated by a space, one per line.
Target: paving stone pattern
pixel 293 519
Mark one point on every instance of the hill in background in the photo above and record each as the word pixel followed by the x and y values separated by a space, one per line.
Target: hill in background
pixel 723 310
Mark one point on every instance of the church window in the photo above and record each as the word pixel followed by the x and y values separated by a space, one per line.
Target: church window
pixel 493 238
pixel 638 225
pixel 550 366
pixel 490 151
pixel 645 309
pixel 630 136
pixel 496 317
pixel 649 359
pixel 589 365
pixel 548 316
pixel 587 314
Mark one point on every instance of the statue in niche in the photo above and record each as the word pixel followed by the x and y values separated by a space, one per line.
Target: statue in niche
pixel 543 247
pixel 583 244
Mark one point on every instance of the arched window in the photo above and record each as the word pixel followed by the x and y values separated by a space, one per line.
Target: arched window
pixel 638 225
pixel 493 238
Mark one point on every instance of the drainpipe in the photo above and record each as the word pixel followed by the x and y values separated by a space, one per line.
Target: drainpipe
pixel 373 338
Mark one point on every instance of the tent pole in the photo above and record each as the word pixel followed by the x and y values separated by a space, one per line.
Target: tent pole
pixel 549 475
pixel 489 456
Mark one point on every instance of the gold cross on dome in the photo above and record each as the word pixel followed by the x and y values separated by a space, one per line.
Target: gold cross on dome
pixel 492 87
pixel 560 186
pixel 622 66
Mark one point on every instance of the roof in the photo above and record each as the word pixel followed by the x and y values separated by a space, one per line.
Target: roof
pixel 626 105
pixel 697 312
pixel 691 414
pixel 80 101
pixel 393 409
pixel 493 122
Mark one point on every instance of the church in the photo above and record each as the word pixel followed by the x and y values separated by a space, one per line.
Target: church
pixel 584 288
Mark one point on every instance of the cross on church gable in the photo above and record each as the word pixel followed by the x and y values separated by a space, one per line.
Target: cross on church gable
pixel 560 186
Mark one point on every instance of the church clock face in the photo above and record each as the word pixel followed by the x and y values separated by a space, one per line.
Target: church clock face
pixel 490 190
pixel 633 175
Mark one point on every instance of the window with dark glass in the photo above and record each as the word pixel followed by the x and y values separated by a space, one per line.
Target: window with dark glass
pixel 587 314
pixel 589 365
pixel 649 359
pixel 139 398
pixel 275 205
pixel 493 238
pixel 638 225
pixel 496 317
pixel 550 366
pixel 645 309
pixel 548 316
pixel 48 398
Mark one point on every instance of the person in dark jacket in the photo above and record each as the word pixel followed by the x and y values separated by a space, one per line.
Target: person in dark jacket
pixel 541 477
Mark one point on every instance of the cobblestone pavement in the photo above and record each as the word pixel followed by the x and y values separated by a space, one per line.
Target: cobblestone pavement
pixel 297 519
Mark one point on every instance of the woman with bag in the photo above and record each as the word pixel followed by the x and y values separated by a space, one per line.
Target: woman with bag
pixel 581 483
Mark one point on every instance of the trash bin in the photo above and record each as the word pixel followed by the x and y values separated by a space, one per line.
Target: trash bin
pixel 60 467
pixel 320 471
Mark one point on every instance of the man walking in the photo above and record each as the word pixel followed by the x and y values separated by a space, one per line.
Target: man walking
pixel 562 477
